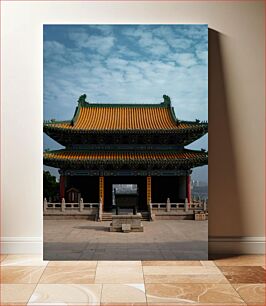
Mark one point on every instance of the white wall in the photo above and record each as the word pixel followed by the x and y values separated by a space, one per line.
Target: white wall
pixel 236 111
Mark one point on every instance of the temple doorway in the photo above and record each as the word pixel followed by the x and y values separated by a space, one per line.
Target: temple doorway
pixel 129 189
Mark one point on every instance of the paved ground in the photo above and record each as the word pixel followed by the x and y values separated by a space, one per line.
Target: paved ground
pixel 161 240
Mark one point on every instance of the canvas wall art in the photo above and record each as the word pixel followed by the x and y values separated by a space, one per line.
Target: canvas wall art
pixel 125 142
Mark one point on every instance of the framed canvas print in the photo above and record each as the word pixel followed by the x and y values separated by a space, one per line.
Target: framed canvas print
pixel 125 142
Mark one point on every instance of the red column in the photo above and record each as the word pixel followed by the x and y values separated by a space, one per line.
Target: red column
pixel 62 186
pixel 188 189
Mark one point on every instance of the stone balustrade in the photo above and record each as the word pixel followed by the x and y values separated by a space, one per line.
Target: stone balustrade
pixel 64 208
pixel 168 206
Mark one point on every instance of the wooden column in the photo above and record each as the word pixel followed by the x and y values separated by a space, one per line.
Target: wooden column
pixel 188 189
pixel 148 190
pixel 62 187
pixel 101 189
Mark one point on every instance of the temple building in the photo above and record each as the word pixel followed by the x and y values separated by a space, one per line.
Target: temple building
pixel 140 144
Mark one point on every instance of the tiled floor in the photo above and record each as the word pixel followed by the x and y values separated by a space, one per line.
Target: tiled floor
pixel 28 280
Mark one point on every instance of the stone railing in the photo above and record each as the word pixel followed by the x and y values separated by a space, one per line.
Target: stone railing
pixel 63 208
pixel 168 206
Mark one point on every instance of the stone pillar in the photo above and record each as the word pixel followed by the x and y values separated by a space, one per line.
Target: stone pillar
pixel 188 189
pixel 148 190
pixel 168 205
pixel 62 187
pixel 63 205
pixel 81 205
pixel 101 190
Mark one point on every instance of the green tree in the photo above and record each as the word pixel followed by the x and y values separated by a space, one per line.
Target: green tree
pixel 50 185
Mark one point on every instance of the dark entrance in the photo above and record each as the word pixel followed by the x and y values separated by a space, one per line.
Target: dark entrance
pixel 140 196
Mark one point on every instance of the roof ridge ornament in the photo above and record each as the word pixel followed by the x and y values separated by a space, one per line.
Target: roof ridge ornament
pixel 166 100
pixel 82 99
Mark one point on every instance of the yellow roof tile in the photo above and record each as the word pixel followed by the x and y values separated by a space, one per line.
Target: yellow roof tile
pixel 122 118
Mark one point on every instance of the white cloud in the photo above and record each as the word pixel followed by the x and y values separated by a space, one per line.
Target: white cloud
pixel 125 51
pixel 148 41
pixel 53 48
pixel 203 56
pixel 97 43
pixel 180 43
pixel 116 63
pixel 184 59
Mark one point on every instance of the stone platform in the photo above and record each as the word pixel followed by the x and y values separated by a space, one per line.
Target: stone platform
pixel 126 223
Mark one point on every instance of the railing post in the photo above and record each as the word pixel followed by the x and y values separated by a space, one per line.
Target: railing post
pixel 168 205
pixel 100 216
pixel 44 204
pixel 63 205
pixel 186 205
pixel 81 205
pixel 150 211
pixel 205 205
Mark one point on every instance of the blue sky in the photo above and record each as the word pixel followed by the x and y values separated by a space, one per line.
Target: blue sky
pixel 127 64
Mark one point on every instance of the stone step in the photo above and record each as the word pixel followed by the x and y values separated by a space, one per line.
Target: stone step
pixel 108 216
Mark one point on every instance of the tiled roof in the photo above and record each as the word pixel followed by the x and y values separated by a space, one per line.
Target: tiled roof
pixel 63 155
pixel 121 118
pixel 113 117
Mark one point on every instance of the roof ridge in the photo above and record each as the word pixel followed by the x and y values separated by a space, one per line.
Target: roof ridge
pixel 83 103
pixel 115 105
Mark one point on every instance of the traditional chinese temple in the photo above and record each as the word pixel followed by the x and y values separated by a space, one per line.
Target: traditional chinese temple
pixel 140 144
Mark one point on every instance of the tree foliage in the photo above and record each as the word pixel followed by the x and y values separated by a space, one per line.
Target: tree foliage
pixel 50 185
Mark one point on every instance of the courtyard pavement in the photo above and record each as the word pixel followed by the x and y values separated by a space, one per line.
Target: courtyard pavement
pixel 161 240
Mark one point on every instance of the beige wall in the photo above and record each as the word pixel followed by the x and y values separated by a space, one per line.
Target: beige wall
pixel 236 105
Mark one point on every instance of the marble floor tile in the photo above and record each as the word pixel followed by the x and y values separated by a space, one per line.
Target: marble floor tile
pixel 172 263
pixel 126 304
pixel 185 279
pixel 118 274
pixel 208 263
pixel 195 304
pixel 123 293
pixel 21 275
pixel 242 274
pixel 16 293
pixel 23 260
pixel 251 293
pixel 66 294
pixel 241 260
pixel 68 275
pixel 217 294
pixel 180 270
pixel 183 274
pixel 119 263
pixel 73 263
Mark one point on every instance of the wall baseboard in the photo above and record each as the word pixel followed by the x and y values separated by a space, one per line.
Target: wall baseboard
pixel 217 245
pixel 236 245
pixel 21 245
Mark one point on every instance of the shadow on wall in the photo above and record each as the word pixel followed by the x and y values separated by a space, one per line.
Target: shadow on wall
pixel 225 199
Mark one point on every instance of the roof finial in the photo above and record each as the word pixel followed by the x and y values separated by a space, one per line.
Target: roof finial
pixel 166 99
pixel 82 99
